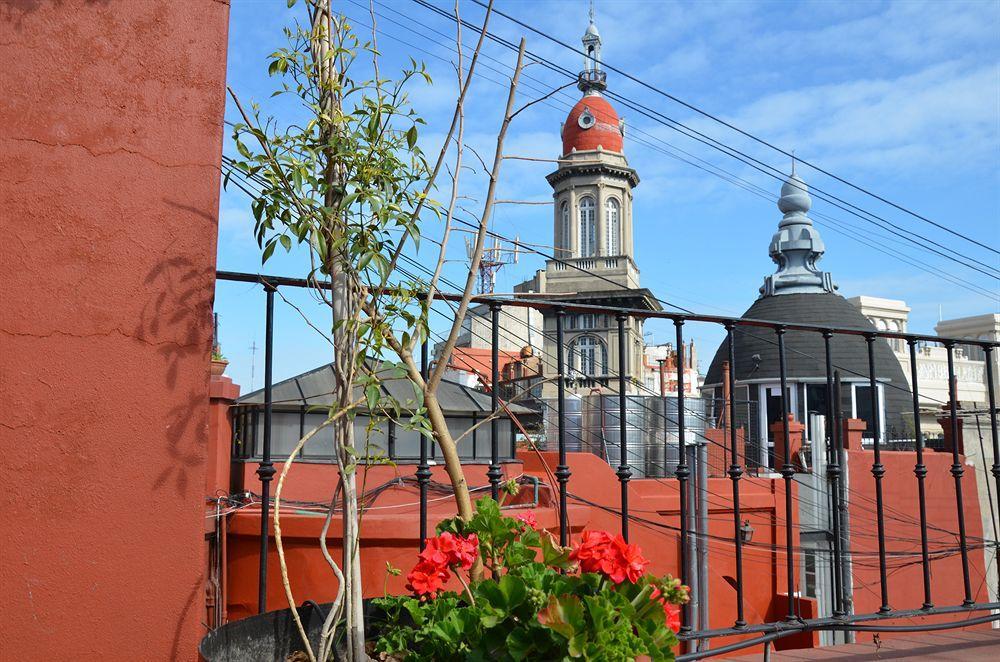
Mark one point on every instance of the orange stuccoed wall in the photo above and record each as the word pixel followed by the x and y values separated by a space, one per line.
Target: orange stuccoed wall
pixel 110 144
pixel 390 530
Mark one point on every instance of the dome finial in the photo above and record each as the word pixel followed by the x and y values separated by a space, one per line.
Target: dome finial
pixel 796 247
pixel 793 162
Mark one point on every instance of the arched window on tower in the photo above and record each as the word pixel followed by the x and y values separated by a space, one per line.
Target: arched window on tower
pixel 565 241
pixel 589 356
pixel 612 214
pixel 588 227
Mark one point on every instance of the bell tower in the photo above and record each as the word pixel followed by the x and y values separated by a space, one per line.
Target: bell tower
pixel 592 187
pixel 594 263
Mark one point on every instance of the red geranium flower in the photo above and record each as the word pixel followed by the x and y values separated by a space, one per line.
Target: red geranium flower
pixel 630 562
pixel 614 558
pixel 448 550
pixel 671 612
pixel 427 578
pixel 528 518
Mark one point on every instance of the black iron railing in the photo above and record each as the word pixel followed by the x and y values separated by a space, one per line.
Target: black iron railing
pixel 843 617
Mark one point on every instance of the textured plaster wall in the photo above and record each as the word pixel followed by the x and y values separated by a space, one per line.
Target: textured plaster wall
pixel 110 142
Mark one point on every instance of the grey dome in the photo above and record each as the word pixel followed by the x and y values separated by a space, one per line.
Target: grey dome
pixel 805 353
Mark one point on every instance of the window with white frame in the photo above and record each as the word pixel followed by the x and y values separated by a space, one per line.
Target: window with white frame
pixel 588 227
pixel 612 213
pixel 862 408
pixel 564 234
pixel 590 355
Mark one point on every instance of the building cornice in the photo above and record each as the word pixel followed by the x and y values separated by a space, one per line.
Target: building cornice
pixel 592 168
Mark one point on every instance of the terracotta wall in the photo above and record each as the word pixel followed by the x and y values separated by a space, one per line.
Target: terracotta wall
pixel 390 531
pixel 905 574
pixel 110 143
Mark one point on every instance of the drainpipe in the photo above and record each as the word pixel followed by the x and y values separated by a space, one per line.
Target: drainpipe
pixel 845 518
pixel 702 540
pixel 691 571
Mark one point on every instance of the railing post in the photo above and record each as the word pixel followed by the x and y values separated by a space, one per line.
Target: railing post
pixel 735 472
pixel 423 469
pixel 494 473
pixel 683 472
pixel 957 470
pixel 562 469
pixel 833 481
pixel 624 470
pixel 266 469
pixel 787 472
pixel 878 472
pixel 992 399
pixel 920 471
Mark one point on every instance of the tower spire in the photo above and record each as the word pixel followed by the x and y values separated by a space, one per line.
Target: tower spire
pixel 796 247
pixel 592 79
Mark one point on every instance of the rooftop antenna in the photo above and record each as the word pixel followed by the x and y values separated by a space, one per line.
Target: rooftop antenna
pixel 253 356
pixel 495 258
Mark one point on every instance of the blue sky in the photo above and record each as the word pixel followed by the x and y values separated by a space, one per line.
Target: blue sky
pixel 902 98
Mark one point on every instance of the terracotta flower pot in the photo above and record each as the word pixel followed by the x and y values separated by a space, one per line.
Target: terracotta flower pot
pixel 219 367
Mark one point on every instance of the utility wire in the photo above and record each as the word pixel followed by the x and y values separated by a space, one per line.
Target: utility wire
pixel 728 125
pixel 669 149
pixel 737 154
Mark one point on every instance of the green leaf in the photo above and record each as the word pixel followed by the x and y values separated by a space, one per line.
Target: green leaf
pixel 564 615
pixel 286 242
pixel 552 554
pixel 268 251
pixel 513 589
pixel 372 394
pixel 411 137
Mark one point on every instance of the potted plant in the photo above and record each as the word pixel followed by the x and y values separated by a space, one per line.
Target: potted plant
pixel 593 601
pixel 219 362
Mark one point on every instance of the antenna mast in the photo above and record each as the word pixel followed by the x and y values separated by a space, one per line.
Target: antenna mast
pixel 495 258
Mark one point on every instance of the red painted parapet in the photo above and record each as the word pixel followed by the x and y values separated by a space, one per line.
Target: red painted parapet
pixel 796 432
pixel 949 443
pixel 854 430
pixel 390 528
pixel 222 394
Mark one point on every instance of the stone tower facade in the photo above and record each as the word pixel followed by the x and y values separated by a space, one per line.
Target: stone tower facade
pixel 592 232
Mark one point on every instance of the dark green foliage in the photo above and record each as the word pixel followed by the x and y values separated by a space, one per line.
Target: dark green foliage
pixel 532 606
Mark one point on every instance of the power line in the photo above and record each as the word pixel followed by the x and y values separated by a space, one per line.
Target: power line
pixel 754 163
pixel 831 222
pixel 747 134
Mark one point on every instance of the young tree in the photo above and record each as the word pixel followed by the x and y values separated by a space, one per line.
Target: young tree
pixel 351 185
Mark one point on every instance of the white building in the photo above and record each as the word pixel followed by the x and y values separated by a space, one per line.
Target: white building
pixel 932 359
pixel 662 377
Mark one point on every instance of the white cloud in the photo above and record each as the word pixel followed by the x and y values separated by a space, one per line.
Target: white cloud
pixel 943 115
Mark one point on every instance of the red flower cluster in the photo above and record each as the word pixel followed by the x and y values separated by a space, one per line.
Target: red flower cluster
pixel 614 558
pixel 441 554
pixel 528 518
pixel 427 579
pixel 671 611
pixel 448 550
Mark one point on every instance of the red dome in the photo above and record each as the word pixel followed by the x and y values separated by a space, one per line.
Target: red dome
pixel 599 127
